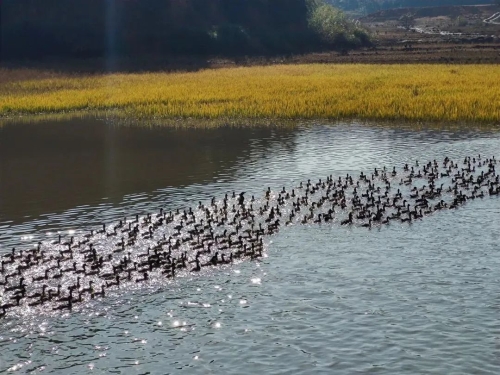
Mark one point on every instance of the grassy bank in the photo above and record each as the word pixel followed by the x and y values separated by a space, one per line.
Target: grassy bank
pixel 380 92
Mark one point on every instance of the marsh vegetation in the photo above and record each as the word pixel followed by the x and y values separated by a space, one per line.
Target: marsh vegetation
pixel 381 92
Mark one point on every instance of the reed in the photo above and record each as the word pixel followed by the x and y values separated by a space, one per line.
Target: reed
pixel 455 93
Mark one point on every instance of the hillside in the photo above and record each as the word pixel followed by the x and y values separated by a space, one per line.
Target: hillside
pixel 370 6
pixel 478 12
pixel 111 29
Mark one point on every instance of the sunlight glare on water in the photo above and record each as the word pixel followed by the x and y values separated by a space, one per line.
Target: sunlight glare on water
pixel 400 299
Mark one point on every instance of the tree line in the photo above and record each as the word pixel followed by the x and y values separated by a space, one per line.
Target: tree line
pixel 34 29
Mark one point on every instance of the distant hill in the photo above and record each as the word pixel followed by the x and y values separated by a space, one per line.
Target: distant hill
pixel 370 6
pixel 481 11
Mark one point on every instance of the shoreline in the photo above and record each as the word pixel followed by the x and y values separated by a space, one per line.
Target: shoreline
pixel 207 124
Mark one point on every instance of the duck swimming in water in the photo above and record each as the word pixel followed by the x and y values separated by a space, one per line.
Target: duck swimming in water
pixel 210 235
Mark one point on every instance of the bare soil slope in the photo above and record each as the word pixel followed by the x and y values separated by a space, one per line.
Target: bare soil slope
pixel 434 34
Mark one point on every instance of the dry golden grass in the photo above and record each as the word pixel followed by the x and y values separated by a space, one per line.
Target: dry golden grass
pixel 381 92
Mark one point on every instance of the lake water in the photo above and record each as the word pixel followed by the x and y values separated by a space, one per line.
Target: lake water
pixel 399 299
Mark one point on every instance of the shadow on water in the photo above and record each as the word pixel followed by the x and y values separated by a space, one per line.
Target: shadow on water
pixel 53 166
pixel 49 166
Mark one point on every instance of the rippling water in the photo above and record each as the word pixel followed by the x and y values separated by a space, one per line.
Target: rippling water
pixel 402 299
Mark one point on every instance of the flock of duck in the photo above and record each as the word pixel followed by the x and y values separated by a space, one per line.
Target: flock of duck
pixel 57 274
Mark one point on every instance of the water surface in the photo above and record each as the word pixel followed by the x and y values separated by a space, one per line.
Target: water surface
pixel 399 299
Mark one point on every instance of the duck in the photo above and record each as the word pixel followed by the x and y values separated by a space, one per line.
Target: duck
pixel 117 281
pixel 21 285
pixel 228 229
pixel 367 225
pixel 348 220
pixel 101 294
pixel 145 277
pixel 197 267
pixel 41 278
